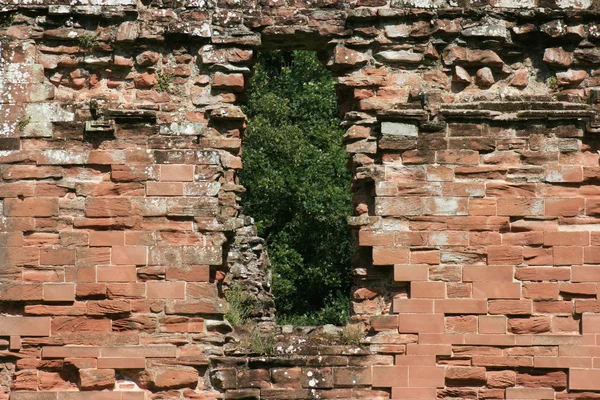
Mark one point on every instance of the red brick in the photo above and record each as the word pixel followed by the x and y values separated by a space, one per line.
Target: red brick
pixel 445 206
pixel 80 324
pixel 489 324
pixel 427 290
pixel 527 393
pixel 482 273
pixel 510 307
pixel 540 291
pixel 164 188
pixel 461 306
pixel 398 206
pixel 520 206
pixel 490 340
pixel 80 274
pixel 564 207
pixel 584 379
pixel 568 255
pixel 458 290
pixel 128 255
pixel 431 257
pixel 474 223
pixel 562 362
pixel 384 322
pixel 425 323
pixel 70 351
pixel 432 349
pixel 496 290
pixel 177 173
pixel 107 307
pixel 126 290
pixel 458 157
pixel 553 307
pixel 107 238
pixel 566 238
pixel 21 292
pixel 591 255
pixel 592 207
pixel 107 207
pixel 414 393
pixel 408 360
pixel 465 376
pixel 529 326
pixel 501 379
pixel 523 238
pixel 579 289
pixel 565 325
pixel 409 273
pixel 165 290
pixel 190 273
pixel 590 323
pixel 564 173
pixel 486 361
pixel 59 292
pixel 538 256
pixel 90 257
pixel 461 324
pixel 543 274
pixel 389 376
pixel 505 255
pixel 375 238
pixel 24 326
pixel 390 255
pixel 234 82
pixel 57 256
pixel 427 377
pixel 585 273
pixel 31 207
pixel 122 362
pixel 412 306
pixel 97 290
pixel 411 238
pixel 122 273
pixel 485 207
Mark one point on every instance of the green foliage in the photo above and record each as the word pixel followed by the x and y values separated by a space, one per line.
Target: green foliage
pixel 552 83
pixel 163 80
pixel 262 344
pixel 241 305
pixel 298 187
pixel 87 41
pixel 6 20
pixel 23 123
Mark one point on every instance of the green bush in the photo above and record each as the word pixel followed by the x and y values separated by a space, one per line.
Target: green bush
pixel 298 187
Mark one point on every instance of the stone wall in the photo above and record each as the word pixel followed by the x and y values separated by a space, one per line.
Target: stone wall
pixel 471 128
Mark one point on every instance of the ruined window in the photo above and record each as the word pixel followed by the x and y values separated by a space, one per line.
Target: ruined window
pixel 298 187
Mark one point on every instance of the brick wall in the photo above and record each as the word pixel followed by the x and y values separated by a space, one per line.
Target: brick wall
pixel 471 130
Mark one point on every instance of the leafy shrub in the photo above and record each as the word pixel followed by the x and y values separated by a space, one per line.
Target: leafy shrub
pixel 298 187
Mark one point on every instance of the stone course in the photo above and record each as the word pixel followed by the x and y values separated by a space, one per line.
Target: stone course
pixel 471 130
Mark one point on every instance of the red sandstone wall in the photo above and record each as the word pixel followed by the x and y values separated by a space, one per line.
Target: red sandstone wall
pixel 472 137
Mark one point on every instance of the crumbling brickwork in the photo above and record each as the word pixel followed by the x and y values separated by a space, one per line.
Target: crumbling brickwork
pixel 471 128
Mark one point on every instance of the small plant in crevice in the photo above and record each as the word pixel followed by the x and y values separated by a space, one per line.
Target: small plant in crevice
pixel 23 123
pixel 163 81
pixel 241 305
pixel 552 83
pixel 6 20
pixel 262 344
pixel 352 335
pixel 87 42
